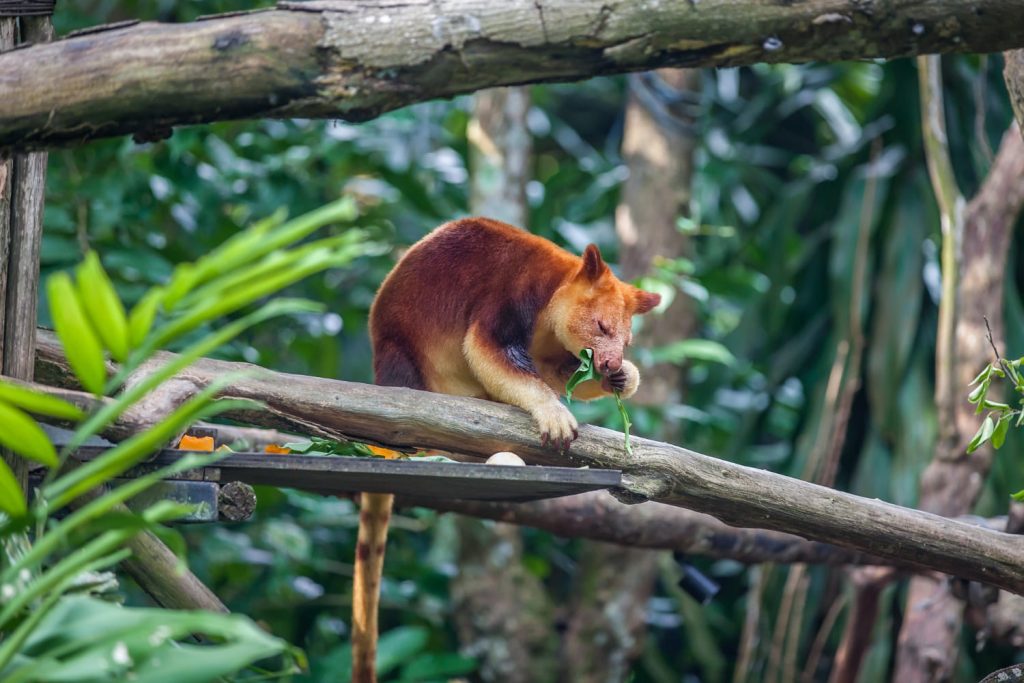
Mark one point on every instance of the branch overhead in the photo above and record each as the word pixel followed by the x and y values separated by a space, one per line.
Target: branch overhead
pixel 355 59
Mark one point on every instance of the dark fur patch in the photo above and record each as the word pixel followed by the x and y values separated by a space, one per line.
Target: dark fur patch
pixel 394 366
pixel 513 330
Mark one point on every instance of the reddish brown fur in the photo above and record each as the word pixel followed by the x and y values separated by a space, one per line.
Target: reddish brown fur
pixel 480 308
pixel 480 271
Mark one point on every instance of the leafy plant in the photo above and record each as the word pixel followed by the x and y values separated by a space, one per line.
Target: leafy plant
pixel 997 423
pixel 587 371
pixel 51 624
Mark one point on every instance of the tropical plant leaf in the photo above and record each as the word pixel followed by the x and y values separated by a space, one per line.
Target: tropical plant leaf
pixel 84 639
pixel 103 307
pixel 82 348
pixel 983 434
pixel 38 403
pixel 140 321
pixel 587 371
pixel 1002 428
pixel 12 499
pixel 24 436
pixel 398 646
pixel 705 350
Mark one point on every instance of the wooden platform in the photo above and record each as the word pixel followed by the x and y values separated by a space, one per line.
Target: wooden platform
pixel 336 474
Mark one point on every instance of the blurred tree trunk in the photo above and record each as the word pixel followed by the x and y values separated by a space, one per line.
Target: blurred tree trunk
pixel 657 146
pixel 499 154
pixel 22 188
pixel 502 612
pixel 974 275
pixel 613 584
pixel 1013 72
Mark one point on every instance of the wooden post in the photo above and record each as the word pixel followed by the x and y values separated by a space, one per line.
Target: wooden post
pixel 22 188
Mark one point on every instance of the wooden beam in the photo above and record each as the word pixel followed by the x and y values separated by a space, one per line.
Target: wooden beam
pixel 354 59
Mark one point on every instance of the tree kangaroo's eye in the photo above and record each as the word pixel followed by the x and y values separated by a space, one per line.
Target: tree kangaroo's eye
pixel 604 329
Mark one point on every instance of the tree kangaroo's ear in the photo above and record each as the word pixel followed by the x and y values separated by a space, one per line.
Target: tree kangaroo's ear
pixel 593 265
pixel 646 301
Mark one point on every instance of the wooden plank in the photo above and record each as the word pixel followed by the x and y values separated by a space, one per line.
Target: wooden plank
pixel 450 481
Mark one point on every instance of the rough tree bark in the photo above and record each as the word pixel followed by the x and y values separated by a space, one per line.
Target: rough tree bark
pixel 355 59
pixel 405 418
pixel 952 482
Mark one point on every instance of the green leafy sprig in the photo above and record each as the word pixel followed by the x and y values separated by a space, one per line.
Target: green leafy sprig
pixel 996 424
pixel 587 371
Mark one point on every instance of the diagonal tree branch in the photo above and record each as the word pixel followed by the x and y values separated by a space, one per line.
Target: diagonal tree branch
pixel 738 495
pixel 355 59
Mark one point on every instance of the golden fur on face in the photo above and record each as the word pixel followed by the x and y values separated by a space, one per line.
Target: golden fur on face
pixel 595 309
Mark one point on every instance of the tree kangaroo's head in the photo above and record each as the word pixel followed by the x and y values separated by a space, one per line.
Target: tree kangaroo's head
pixel 593 309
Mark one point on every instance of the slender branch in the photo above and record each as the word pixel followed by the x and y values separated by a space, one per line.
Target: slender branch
pixel 355 59
pixel 951 204
pixel 598 516
pixel 738 495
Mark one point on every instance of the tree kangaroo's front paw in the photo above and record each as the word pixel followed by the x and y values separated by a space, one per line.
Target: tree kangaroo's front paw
pixel 557 425
pixel 625 380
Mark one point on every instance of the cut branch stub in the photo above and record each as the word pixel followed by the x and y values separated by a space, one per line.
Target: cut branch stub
pixel 358 58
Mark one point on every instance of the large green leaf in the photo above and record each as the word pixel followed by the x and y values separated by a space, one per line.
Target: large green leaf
pixel 399 645
pixel 12 498
pixel 38 403
pixel 83 639
pixel 104 307
pixel 24 436
pixel 683 350
pixel 77 337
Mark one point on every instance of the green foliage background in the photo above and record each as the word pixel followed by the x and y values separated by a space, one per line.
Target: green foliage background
pixel 779 194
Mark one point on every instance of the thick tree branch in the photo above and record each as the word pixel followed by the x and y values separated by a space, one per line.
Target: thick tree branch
pixel 738 495
pixel 355 59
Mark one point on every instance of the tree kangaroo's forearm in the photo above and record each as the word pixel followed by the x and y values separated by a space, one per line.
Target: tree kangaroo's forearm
pixel 355 59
